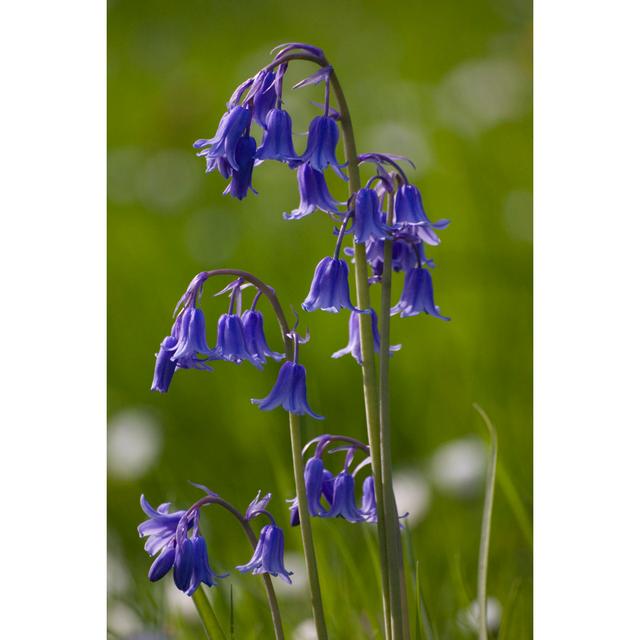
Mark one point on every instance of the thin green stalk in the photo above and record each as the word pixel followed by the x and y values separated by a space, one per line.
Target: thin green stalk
pixel 205 611
pixel 393 622
pixel 397 581
pixel 305 527
pixel 485 533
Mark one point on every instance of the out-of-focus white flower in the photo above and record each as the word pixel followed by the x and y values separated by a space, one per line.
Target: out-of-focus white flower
pixel 134 443
pixel 458 467
pixel 306 630
pixel 468 618
pixel 413 494
pixel 123 620
pixel 179 602
pixel 298 587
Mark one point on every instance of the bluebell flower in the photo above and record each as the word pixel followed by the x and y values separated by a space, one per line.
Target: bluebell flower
pixel 254 338
pixel 409 210
pixel 165 367
pixel 219 164
pixel 369 506
pixel 241 175
pixel 321 145
pixel 417 296
pixel 268 556
pixel 257 506
pixel 344 499
pixel 277 143
pixel 163 563
pixel 231 345
pixel 314 194
pixel 326 491
pixel 264 97
pixel 329 289
pixel 368 224
pixel 289 392
pixel 191 565
pixel 232 127
pixel 160 527
pixel 354 347
pixel 190 332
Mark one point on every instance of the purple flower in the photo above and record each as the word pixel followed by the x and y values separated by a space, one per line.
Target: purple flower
pixel 254 338
pixel 241 174
pixel 289 391
pixel 369 507
pixel 353 346
pixel 257 506
pixel 268 556
pixel 165 367
pixel 231 343
pixel 329 289
pixel 321 145
pixel 409 210
pixel 326 491
pixel 344 500
pixel 264 97
pixel 277 143
pixel 190 332
pixel 417 295
pixel 314 194
pixel 191 565
pixel 368 224
pixel 163 563
pixel 160 527
pixel 232 126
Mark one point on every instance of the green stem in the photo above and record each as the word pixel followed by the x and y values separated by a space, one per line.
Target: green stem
pixel 485 533
pixel 397 584
pixel 305 527
pixel 370 384
pixel 205 611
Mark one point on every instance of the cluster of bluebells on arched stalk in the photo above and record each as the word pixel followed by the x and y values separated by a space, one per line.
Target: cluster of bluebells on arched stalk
pixel 240 338
pixel 233 152
pixel 334 496
pixel 175 539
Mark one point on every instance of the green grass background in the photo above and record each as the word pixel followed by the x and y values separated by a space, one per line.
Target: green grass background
pixel 448 84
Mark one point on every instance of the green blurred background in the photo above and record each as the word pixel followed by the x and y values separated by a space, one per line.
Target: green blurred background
pixel 448 84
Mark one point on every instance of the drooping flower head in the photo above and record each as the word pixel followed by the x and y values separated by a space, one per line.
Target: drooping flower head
pixel 165 366
pixel 314 194
pixel 245 156
pixel 321 145
pixel 417 296
pixel 354 347
pixel 277 143
pixel 231 344
pixel 329 289
pixel 264 96
pixel 368 224
pixel 268 555
pixel 409 210
pixel 369 506
pixel 254 338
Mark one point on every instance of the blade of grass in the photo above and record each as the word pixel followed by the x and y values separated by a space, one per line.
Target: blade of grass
pixel 515 503
pixel 485 533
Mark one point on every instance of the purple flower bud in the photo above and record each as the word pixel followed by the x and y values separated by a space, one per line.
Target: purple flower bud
pixel 344 500
pixel 329 289
pixel 289 392
pixel 257 506
pixel 268 556
pixel 321 145
pixel 241 174
pixel 368 224
pixel 353 346
pixel 160 527
pixel 254 338
pixel 200 571
pixel 231 344
pixel 231 128
pixel 417 296
pixel 183 564
pixel 314 194
pixel 162 564
pixel 165 367
pixel 264 98
pixel 277 143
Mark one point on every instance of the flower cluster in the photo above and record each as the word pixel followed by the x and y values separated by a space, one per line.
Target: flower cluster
pixel 175 539
pixel 334 496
